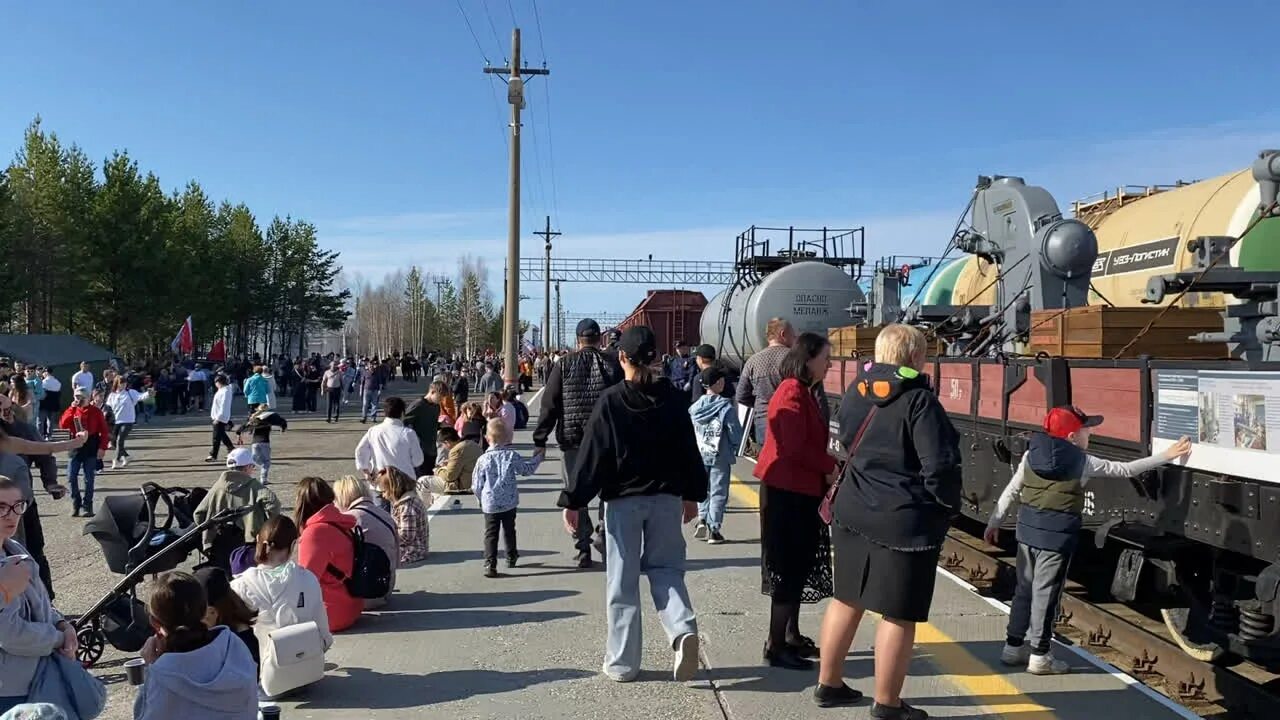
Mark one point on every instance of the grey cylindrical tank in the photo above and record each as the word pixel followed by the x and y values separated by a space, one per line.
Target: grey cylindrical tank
pixel 811 295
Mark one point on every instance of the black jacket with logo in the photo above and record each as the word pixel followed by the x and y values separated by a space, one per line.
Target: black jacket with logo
pixel 573 386
pixel 902 486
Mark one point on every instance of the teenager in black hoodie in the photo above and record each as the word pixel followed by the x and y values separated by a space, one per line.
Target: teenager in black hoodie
pixel 641 457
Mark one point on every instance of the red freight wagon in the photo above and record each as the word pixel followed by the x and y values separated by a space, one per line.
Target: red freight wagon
pixel 672 315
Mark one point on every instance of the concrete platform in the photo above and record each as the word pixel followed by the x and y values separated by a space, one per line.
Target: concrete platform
pixel 453 644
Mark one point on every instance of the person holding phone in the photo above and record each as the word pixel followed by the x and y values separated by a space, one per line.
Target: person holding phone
pixel 84 420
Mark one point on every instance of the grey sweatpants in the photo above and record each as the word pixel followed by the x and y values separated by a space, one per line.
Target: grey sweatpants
pixel 1041 575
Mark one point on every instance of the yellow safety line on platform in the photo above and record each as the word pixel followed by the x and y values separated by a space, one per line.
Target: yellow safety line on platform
pixel 986 687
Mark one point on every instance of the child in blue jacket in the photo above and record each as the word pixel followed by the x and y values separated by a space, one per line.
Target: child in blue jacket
pixel 716 424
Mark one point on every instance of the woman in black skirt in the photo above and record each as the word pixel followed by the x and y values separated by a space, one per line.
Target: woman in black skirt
pixel 900 489
pixel 795 470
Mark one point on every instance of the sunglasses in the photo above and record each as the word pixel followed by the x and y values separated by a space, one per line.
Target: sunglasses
pixel 15 509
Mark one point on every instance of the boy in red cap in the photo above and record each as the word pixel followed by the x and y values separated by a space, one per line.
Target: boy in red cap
pixel 1050 484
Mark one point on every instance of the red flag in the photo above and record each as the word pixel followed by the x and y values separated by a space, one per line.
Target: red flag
pixel 185 341
pixel 218 353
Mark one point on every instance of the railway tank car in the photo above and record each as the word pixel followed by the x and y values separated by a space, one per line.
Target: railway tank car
pixel 810 280
pixel 1144 231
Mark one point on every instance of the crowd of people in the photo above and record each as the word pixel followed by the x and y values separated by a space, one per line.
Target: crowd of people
pixel 650 439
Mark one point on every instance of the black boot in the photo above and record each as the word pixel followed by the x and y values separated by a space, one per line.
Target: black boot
pixel 786 657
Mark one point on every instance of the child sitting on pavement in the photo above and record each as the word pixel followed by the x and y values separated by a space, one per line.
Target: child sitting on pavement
pixel 1050 484
pixel 494 482
pixel 715 423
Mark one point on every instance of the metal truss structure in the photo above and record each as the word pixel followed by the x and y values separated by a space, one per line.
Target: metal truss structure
pixel 671 273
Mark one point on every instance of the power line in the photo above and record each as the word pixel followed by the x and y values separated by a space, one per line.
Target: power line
pixel 551 149
pixel 537 18
pixel 514 21
pixel 488 16
pixel 467 20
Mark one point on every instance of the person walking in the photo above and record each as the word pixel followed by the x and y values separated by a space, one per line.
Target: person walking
pixel 220 416
pixel 640 457
pixel 257 389
pixel 84 417
pixel 760 375
pixel 495 483
pixel 260 424
pixel 715 422
pixel 123 402
pixel 51 406
pixel 197 386
pixel 389 444
pixel 370 381
pixel 490 382
pixel 461 388
pixel 313 379
pixel 794 470
pixel 900 489
pixel 332 384
pixel 1050 483
pixel 573 387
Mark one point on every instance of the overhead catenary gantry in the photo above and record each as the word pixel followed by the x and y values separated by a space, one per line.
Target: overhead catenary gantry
pixel 643 271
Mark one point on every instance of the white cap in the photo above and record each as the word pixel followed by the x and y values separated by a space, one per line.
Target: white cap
pixel 240 457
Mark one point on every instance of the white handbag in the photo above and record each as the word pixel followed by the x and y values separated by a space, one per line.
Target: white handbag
pixel 292 657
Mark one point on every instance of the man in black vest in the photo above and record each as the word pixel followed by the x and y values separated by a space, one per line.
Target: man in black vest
pixel 573 386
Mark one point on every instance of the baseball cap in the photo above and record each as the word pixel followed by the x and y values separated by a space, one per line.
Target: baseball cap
pixel 639 344
pixel 1066 419
pixel 711 376
pixel 706 352
pixel 240 457
pixel 588 328
pixel 80 391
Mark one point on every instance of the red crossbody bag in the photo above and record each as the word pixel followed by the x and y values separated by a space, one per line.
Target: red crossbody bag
pixel 827 509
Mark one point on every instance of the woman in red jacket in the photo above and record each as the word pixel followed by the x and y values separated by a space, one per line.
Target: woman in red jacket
pixel 327 550
pixel 795 470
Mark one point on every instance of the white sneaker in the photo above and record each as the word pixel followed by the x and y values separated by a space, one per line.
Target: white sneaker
pixel 1047 664
pixel 620 677
pixel 124 461
pixel 115 463
pixel 686 662
pixel 1015 656
pixel 700 532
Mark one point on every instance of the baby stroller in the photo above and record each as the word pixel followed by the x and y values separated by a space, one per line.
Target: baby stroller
pixel 140 535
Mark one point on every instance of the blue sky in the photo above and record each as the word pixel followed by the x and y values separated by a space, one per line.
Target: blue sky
pixel 675 124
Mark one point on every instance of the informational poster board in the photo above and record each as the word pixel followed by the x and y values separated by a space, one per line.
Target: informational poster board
pixel 1232 418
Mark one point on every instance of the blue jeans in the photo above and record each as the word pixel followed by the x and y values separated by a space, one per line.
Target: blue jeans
pixel 711 510
pixel 90 467
pixel 644 534
pixel 262 458
pixel 369 405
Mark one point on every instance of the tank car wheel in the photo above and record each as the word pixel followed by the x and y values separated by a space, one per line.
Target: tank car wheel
pixel 92 644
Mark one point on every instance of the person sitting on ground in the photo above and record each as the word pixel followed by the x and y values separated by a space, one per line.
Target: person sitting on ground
pixel 327 549
pixel 473 425
pixel 354 496
pixel 284 594
pixel 236 487
pixel 455 475
pixel 498 407
pixel 194 671
pixel 260 424
pixel 512 397
pixel 715 422
pixel 409 513
pixel 1050 483
pixel 228 608
pixel 495 484
pixel 30 628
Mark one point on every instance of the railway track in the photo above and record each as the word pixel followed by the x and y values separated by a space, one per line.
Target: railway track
pixel 1128 640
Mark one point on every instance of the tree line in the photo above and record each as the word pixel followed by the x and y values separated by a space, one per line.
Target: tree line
pixel 113 257
pixel 418 311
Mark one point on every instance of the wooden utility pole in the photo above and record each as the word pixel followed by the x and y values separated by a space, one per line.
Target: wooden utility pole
pixel 546 282
pixel 511 317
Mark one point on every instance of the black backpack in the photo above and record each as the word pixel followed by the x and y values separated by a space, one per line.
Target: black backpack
pixel 370 569
pixel 522 415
